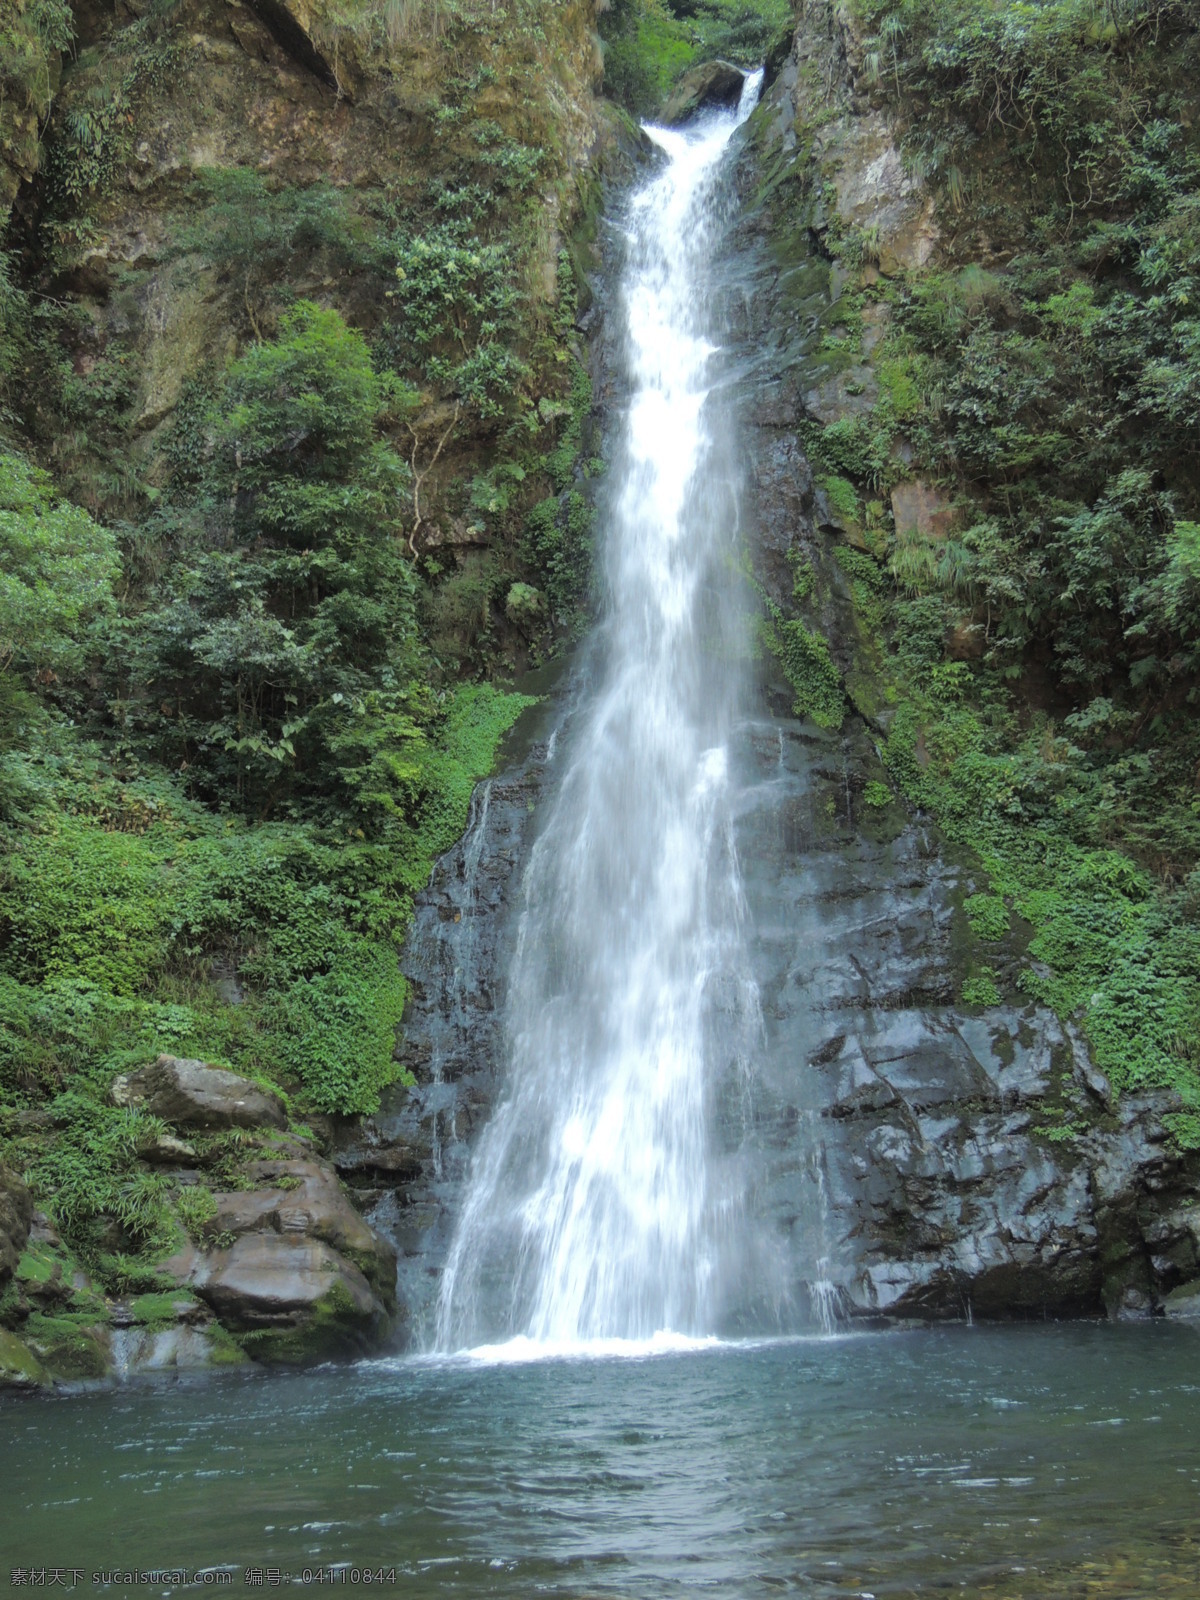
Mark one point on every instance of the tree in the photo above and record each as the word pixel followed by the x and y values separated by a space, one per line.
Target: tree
pixel 306 608
pixel 57 568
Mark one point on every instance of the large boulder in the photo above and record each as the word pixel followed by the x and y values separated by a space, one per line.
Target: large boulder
pixel 292 1299
pixel 70 1351
pixel 715 83
pixel 192 1094
pixel 288 1266
pixel 304 1200
pixel 19 1367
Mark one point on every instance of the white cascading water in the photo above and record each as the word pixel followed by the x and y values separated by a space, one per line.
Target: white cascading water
pixel 598 1208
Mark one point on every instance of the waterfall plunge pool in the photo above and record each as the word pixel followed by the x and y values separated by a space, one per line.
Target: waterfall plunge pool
pixel 1040 1462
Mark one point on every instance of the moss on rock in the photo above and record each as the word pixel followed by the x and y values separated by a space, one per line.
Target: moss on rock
pixel 20 1368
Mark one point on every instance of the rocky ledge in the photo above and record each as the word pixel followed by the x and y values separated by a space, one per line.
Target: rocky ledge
pixel 277 1265
pixel 908 1155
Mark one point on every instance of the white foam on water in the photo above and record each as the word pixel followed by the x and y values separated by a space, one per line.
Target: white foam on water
pixel 522 1349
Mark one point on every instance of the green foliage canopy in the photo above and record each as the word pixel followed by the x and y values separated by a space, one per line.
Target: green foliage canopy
pixel 57 569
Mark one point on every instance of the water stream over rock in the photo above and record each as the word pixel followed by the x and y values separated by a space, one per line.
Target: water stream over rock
pixel 597 1206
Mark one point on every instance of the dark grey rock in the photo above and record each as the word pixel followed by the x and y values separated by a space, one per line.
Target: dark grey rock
pixel 407 1164
pixel 713 83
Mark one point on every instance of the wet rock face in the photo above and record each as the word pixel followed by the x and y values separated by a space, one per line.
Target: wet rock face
pixel 914 1156
pixel 408 1163
pixel 902 1148
pixel 898 1150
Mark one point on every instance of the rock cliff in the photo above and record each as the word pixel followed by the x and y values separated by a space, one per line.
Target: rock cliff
pixel 970 1156
pixel 924 1139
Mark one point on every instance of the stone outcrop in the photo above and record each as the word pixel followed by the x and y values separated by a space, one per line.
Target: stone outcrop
pixel 306 1199
pixel 284 1270
pixel 289 1267
pixel 292 1299
pixel 714 83
pixel 296 26
pixel 925 1158
pixel 19 1365
pixel 306 95
pixel 192 1094
pixel 824 89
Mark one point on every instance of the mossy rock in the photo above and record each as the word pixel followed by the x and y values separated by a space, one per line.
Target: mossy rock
pixel 808 667
pixel 19 1367
pixel 293 1301
pixel 38 1265
pixel 1184 1302
pixel 161 1310
pixel 334 1328
pixel 224 1349
pixel 70 1350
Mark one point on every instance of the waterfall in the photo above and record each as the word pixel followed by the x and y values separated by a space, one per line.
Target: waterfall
pixel 599 1206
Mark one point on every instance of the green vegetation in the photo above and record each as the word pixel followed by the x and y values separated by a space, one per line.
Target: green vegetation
pixel 248 232
pixel 57 569
pixel 32 34
pixel 980 989
pixel 648 44
pixel 987 915
pixel 96 138
pixel 808 667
